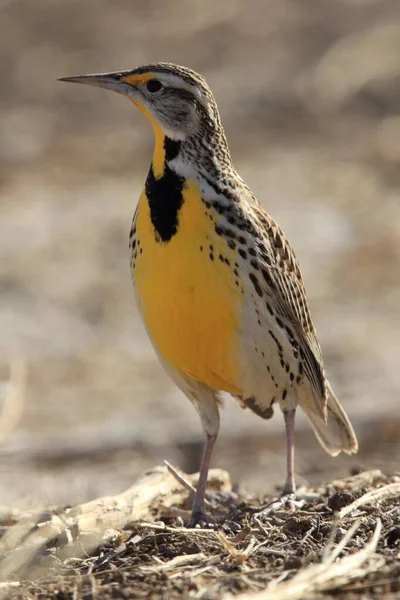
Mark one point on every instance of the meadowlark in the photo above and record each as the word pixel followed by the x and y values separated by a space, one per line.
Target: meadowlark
pixel 216 281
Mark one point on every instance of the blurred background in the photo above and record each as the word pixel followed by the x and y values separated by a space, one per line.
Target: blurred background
pixel 309 93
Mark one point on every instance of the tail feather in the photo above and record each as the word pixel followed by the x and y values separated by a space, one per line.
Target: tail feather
pixel 335 434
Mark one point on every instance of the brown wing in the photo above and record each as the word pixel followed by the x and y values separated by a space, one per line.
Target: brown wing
pixel 285 287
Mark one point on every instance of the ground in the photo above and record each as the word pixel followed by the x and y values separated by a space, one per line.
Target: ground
pixel 340 540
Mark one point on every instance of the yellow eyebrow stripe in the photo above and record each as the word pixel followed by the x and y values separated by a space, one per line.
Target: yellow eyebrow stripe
pixel 138 79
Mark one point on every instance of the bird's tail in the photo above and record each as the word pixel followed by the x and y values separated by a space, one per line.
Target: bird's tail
pixel 335 434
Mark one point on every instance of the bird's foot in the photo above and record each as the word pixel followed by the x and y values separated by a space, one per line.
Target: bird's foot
pixel 199 517
pixel 284 502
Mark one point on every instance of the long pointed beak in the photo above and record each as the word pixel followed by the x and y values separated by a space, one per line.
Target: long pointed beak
pixel 109 81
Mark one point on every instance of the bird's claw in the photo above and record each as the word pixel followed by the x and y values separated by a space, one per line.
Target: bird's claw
pixel 284 501
pixel 199 517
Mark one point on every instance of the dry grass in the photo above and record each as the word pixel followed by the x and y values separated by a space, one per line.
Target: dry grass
pixel 339 539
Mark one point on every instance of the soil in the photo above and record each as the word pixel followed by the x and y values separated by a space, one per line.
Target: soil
pixel 248 544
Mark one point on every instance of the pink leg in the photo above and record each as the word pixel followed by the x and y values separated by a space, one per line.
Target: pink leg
pixel 198 514
pixel 290 485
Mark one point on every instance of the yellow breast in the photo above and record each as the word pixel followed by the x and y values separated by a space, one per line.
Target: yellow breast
pixel 188 296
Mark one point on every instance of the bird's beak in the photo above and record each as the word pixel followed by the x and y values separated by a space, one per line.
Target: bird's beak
pixel 109 81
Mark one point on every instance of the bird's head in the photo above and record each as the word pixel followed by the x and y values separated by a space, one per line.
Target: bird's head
pixel 173 98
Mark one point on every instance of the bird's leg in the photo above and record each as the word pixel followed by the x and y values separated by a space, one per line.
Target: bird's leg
pixel 206 404
pixel 198 514
pixel 290 485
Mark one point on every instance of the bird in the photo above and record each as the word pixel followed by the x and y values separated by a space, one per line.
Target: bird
pixel 217 284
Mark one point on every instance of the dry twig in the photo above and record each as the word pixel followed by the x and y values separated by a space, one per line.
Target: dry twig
pixel 183 481
pixel 322 577
pixel 376 495
pixel 94 518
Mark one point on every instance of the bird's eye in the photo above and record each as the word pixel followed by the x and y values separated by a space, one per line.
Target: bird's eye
pixel 153 86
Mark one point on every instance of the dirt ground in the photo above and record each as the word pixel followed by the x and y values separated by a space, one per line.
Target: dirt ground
pixel 342 539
